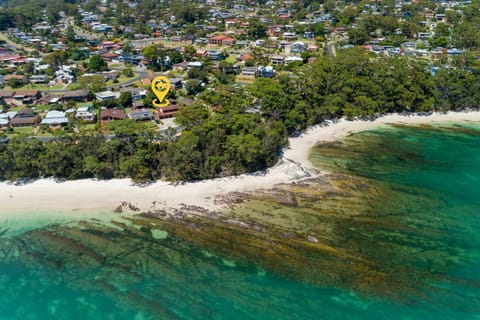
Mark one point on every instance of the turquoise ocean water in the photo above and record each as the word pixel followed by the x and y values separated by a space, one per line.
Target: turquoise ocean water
pixel 437 234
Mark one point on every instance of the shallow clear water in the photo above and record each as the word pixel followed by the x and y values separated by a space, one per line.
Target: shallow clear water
pixel 434 232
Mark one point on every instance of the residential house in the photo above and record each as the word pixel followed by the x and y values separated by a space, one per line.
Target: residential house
pixel 176 83
pixel 107 95
pixel 211 28
pixel 195 64
pixel 55 119
pixel 308 35
pixel 142 115
pixel 230 23
pixel 85 113
pixel 245 57
pixel 292 59
pixel 180 66
pixel 201 53
pixel 230 69
pixel 201 41
pixel 10 58
pixel 441 17
pixel 19 77
pixel 289 35
pixel 221 40
pixel 27 96
pixel 298 47
pixel 48 99
pixel 130 59
pixel 24 118
pixel 6 117
pixel 77 96
pixel 101 27
pixel 41 78
pixel 242 43
pixel 249 71
pixel 214 55
pixel 63 76
pixel 5 94
pixel 168 111
pixel 137 93
pixel 110 75
pixel 312 47
pixel 109 56
pixel 284 43
pixel 57 46
pixel 277 60
pixel 265 72
pixel 107 45
pixel 109 115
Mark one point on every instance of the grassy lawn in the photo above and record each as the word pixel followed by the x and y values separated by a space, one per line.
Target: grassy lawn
pixel 42 108
pixel 244 79
pixel 85 127
pixel 41 87
pixel 176 73
pixel 74 86
pixel 83 104
pixel 18 108
pixel 231 58
pixel 89 126
pixel 120 79
pixel 38 108
pixel 116 65
pixel 21 130
pixel 44 134
pixel 149 125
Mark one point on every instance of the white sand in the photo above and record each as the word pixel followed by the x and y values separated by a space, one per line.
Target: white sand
pixel 294 165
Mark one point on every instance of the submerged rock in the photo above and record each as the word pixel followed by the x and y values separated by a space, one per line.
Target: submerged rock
pixel 159 234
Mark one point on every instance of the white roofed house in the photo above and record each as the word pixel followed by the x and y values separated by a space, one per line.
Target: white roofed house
pixel 8 115
pixel 107 95
pixel 278 60
pixel 292 59
pixel 298 47
pixel 5 118
pixel 55 119
pixel 85 113
pixel 41 78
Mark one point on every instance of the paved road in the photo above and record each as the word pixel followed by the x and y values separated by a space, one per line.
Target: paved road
pixel 79 31
pixel 331 48
pixel 140 75
pixel 16 46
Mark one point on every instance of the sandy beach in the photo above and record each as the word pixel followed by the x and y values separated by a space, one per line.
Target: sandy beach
pixel 293 166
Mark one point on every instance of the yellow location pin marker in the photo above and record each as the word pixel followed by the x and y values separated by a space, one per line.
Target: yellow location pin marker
pixel 160 87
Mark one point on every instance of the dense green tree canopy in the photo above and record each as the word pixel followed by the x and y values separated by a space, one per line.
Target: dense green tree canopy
pixel 96 63
pixel 230 131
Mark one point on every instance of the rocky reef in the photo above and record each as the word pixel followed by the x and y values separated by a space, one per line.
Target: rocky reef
pixel 327 231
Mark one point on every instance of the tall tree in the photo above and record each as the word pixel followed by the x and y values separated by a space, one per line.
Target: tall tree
pixel 96 63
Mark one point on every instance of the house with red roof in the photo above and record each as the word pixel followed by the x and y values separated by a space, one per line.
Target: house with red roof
pixel 221 40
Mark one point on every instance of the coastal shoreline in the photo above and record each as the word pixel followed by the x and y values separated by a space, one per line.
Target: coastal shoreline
pixel 88 194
